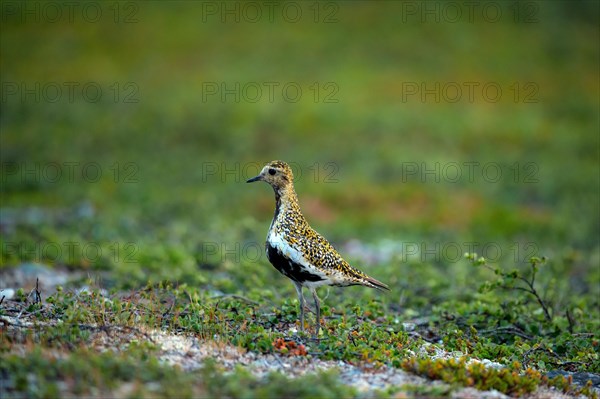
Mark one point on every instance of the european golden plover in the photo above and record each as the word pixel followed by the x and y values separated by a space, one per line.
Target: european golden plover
pixel 298 251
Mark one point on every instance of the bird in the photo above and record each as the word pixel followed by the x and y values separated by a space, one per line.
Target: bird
pixel 297 251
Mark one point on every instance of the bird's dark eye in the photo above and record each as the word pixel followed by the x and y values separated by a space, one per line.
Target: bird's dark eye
pixel 272 172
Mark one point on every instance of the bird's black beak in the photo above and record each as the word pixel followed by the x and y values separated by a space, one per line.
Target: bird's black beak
pixel 257 178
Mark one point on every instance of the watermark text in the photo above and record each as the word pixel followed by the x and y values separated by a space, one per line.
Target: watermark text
pixel 68 172
pixel 70 92
pixel 126 12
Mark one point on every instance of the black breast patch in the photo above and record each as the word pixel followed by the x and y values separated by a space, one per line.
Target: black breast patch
pixel 290 268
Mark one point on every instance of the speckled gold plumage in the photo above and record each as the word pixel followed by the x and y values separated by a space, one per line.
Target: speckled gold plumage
pixel 298 251
pixel 293 227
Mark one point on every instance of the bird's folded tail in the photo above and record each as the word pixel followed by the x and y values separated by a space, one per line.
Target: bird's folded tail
pixel 373 283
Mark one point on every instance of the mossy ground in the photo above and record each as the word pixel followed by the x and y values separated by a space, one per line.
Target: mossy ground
pixel 150 211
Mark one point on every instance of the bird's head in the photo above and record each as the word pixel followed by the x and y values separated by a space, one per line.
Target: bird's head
pixel 277 173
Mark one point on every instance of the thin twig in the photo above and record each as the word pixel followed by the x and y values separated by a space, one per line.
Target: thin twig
pixel 584 334
pixel 509 329
pixel 26 300
pixel 352 339
pixel 38 294
pixel 571 321
pixel 533 292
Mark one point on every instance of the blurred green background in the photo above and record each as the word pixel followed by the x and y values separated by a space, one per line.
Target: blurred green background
pixel 165 106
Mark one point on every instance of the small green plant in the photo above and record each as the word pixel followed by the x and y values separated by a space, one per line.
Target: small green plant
pixel 512 380
pixel 515 279
pixel 459 372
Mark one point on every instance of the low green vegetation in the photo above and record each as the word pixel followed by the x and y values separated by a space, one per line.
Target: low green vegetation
pixel 134 372
pixel 148 224
pixel 367 333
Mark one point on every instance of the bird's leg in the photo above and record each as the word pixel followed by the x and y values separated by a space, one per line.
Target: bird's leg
pixel 318 310
pixel 301 300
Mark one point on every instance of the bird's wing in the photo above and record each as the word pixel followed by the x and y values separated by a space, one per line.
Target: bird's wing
pixel 291 251
pixel 318 251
